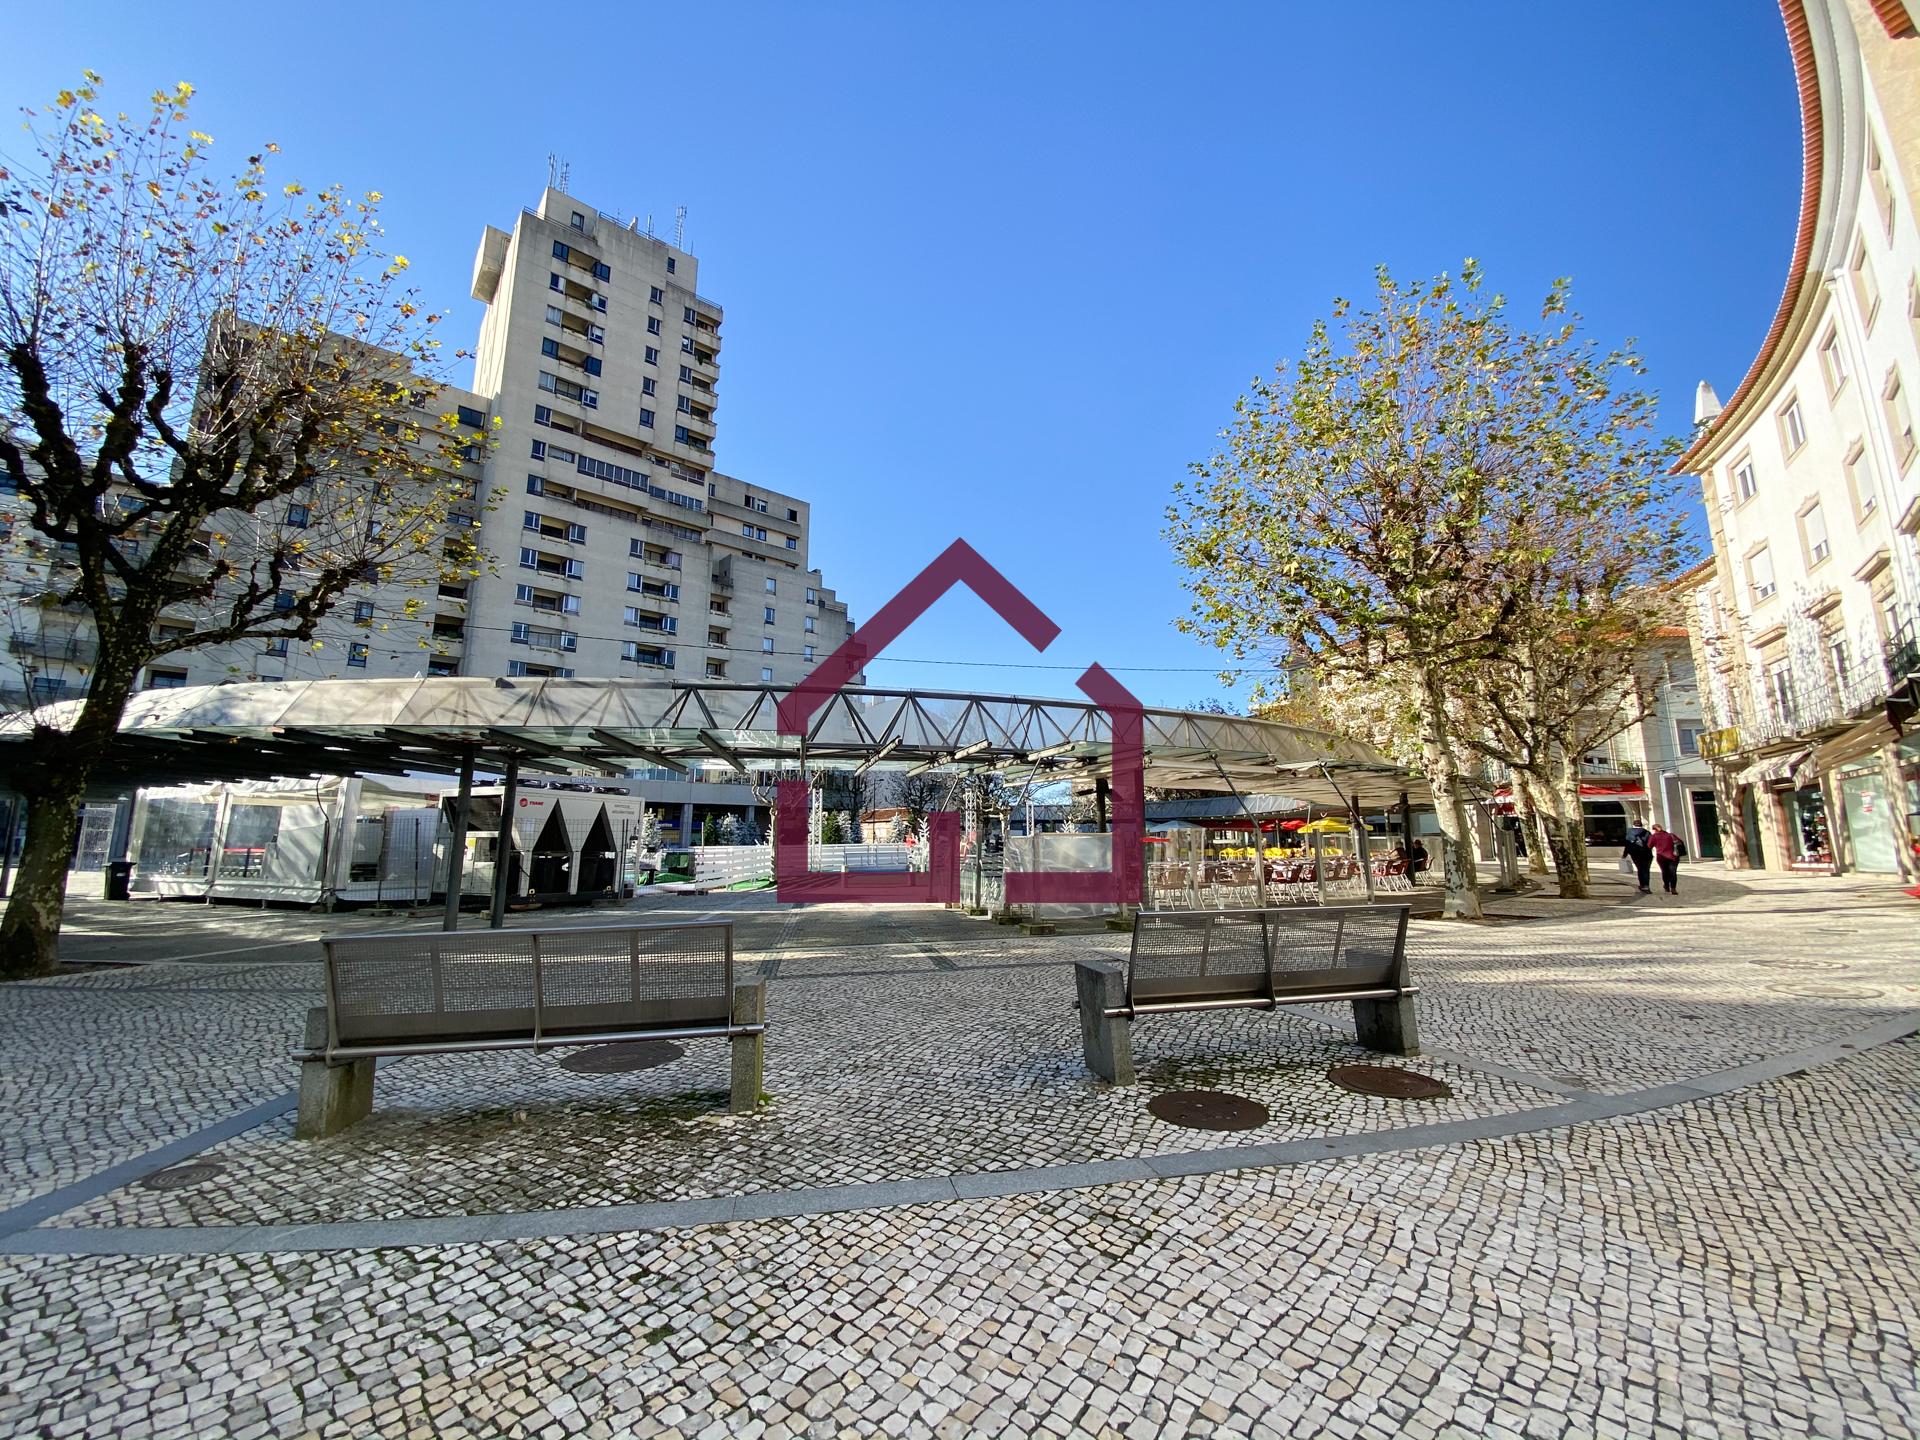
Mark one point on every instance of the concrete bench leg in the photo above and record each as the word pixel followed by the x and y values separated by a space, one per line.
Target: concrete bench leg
pixel 1387 1025
pixel 332 1097
pixel 1106 1039
pixel 749 1051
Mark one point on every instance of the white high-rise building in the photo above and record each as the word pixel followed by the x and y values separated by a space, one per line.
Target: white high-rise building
pixel 622 550
pixel 618 549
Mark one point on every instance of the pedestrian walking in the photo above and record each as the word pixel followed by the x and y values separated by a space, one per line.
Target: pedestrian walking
pixel 1669 849
pixel 1639 850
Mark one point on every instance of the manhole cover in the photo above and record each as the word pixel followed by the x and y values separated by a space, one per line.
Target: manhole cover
pixel 1827 990
pixel 1207 1110
pixel 622 1057
pixel 1388 1082
pixel 1795 964
pixel 181 1177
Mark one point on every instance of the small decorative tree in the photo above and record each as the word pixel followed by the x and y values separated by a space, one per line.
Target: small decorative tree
pixel 830 831
pixel 710 831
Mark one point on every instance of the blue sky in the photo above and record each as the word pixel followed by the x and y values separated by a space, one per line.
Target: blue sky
pixel 1000 271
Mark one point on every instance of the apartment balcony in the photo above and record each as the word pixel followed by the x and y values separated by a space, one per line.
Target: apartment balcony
pixel 1610 768
pixel 68 647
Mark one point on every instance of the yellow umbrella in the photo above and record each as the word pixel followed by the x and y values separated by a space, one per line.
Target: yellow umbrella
pixel 1325 825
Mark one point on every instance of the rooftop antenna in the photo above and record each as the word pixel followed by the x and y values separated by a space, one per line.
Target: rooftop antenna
pixel 558 172
pixel 649 222
pixel 679 227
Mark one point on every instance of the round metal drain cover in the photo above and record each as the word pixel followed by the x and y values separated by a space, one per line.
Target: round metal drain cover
pixel 1795 964
pixel 182 1177
pixel 1207 1110
pixel 619 1058
pixel 1388 1082
pixel 1827 990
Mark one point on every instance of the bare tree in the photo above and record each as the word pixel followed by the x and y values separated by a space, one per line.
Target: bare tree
pixel 213 408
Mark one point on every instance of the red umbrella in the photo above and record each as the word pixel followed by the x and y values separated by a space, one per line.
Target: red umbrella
pixel 1291 824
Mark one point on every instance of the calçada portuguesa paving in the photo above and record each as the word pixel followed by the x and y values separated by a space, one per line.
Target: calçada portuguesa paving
pixel 1672 1193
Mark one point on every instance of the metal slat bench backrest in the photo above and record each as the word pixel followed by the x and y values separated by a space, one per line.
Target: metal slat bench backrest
pixel 1240 957
pixel 437 986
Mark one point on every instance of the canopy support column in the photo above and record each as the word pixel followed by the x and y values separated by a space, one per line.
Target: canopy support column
pixel 457 846
pixel 503 844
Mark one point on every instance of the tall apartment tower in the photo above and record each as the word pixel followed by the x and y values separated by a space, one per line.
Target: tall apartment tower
pixel 621 550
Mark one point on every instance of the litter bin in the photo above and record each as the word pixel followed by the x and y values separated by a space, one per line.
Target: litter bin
pixel 119 880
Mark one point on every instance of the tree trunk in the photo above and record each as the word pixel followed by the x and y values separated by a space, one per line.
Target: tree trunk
pixel 53 782
pixel 1566 835
pixel 30 930
pixel 1529 817
pixel 1449 803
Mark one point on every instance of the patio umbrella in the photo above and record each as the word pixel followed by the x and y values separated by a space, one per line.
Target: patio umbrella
pixel 1293 824
pixel 1325 825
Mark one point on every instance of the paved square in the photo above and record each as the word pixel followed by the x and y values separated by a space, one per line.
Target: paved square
pixel 1673 1192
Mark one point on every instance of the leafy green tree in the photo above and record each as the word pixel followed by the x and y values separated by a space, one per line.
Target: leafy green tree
pixel 830 832
pixel 710 830
pixel 189 364
pixel 1400 506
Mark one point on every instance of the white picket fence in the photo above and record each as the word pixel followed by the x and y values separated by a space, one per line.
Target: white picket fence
pixel 839 859
pixel 731 864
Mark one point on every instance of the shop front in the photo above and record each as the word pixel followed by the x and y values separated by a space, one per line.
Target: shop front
pixel 1868 776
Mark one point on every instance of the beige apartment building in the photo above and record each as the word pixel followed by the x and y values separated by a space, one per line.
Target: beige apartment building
pixel 1811 476
pixel 618 548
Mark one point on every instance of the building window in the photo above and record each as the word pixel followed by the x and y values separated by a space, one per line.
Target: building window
pixel 768 615
pixel 276 646
pixel 363 612
pixel 1813 534
pixel 1899 417
pixel 1744 482
pixel 1793 428
pixel 1687 737
pixel 1866 287
pixel 1866 495
pixel 812 599
pixel 1881 187
pixel 283 601
pixel 299 516
pixel 669 264
pixel 792 544
pixel 442 665
pixel 808 624
pixel 579 221
pixel 646 385
pixel 806 652
pixel 766 674
pixel 1780 692
pixel 1837 657
pixel 1832 362
pixel 539 451
pixel 473 419
pixel 543 415
pixel 646 419
pixel 773 586
pixel 655 294
pixel 686 345
pixel 766 644
pixel 163 679
pixel 653 356
pixel 653 325
pixel 357 654
pixel 1760 573
pixel 754 532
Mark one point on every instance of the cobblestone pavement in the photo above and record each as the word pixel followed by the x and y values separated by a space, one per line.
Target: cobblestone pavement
pixel 1743 1264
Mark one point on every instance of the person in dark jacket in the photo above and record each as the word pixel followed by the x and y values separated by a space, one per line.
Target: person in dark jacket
pixel 1639 850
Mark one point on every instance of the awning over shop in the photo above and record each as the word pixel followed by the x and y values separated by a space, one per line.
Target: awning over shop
pixel 1776 770
pixel 1859 743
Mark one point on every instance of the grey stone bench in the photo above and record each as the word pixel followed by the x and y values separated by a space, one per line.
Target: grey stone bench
pixel 434 992
pixel 1185 960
